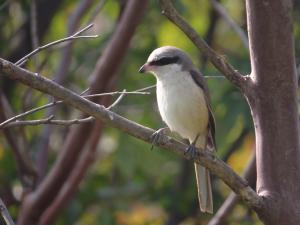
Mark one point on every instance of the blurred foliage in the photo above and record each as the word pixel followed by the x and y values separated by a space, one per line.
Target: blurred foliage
pixel 129 184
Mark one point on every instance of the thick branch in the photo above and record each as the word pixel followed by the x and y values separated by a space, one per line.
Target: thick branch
pixel 217 60
pixel 205 158
pixel 274 109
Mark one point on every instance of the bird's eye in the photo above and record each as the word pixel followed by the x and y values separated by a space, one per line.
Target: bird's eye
pixel 165 61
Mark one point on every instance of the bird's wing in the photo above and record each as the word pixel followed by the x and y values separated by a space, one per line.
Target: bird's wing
pixel 200 81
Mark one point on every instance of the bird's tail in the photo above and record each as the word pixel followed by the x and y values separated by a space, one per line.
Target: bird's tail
pixel 203 183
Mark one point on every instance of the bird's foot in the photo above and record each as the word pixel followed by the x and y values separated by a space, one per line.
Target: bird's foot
pixel 192 150
pixel 157 135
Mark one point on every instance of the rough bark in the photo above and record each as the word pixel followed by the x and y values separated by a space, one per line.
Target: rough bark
pixel 272 97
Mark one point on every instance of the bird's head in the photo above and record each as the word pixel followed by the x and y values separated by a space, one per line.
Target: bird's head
pixel 166 60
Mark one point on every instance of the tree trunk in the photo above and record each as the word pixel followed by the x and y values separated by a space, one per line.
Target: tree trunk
pixel 273 100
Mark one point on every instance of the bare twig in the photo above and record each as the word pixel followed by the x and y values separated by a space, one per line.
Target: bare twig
pixel 117 100
pixel 5 123
pixel 137 92
pixel 70 38
pixel 205 158
pixel 28 112
pixel 217 60
pixel 5 214
pixel 223 13
pixel 50 121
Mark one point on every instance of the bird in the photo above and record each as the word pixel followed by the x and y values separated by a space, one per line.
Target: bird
pixel 184 105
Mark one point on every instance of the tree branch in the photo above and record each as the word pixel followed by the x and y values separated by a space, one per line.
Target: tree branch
pixel 49 121
pixel 205 158
pixel 5 214
pixel 217 60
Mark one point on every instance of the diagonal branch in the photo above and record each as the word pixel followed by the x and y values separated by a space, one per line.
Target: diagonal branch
pixel 5 214
pixel 205 158
pixel 217 60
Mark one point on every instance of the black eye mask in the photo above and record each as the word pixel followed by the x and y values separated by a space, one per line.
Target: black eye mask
pixel 165 61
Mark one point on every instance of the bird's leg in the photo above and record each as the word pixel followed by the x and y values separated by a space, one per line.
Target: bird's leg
pixel 192 148
pixel 157 135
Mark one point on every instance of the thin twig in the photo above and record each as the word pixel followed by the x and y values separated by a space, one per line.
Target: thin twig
pixel 117 100
pixel 4 123
pixel 5 214
pixel 51 121
pixel 70 38
pixel 216 76
pixel 217 60
pixel 224 14
pixel 118 93
pixel 29 112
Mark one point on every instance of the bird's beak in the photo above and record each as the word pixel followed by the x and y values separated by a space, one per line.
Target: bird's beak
pixel 144 68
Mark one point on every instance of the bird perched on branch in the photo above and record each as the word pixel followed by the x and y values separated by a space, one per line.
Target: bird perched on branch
pixel 184 105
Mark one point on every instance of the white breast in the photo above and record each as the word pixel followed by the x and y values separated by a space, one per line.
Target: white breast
pixel 182 104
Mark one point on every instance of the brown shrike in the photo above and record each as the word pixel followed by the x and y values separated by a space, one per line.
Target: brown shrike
pixel 184 105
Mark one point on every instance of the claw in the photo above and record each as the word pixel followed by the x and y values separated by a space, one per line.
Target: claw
pixel 156 136
pixel 191 150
